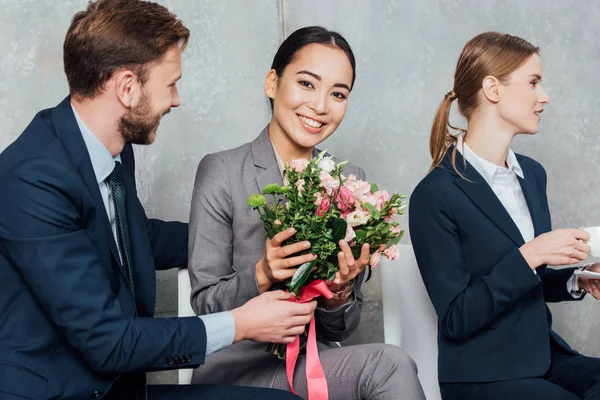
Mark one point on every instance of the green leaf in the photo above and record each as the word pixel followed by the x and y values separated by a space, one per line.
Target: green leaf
pixel 360 235
pixel 331 275
pixel 373 188
pixel 372 209
pixel 338 229
pixel 270 214
pixel 395 240
pixel 301 275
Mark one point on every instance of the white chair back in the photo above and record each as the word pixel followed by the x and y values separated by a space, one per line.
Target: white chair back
pixel 409 319
pixel 184 309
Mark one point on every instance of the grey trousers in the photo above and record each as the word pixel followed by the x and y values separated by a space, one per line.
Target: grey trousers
pixel 363 372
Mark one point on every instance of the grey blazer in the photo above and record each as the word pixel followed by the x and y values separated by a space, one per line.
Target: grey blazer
pixel 226 241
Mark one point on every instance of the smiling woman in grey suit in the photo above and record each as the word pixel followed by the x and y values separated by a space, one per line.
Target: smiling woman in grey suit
pixel 308 85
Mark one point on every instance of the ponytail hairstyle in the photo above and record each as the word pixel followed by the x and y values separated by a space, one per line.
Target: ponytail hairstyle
pixel 487 54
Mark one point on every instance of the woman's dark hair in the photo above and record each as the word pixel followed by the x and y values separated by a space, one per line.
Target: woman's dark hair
pixel 308 35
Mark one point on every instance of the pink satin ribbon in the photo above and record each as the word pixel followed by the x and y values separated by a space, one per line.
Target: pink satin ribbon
pixel 315 377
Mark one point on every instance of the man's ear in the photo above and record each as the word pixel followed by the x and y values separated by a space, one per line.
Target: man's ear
pixel 127 87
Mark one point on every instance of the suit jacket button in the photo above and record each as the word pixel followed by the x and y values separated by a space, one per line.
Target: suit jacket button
pixel 96 395
pixel 188 358
pixel 170 360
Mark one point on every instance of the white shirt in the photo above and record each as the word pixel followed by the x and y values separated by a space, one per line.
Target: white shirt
pixel 504 182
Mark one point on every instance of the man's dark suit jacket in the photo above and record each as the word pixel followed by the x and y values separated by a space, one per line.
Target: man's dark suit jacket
pixel 67 316
pixel 493 322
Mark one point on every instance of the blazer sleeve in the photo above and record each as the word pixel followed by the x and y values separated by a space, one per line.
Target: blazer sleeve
pixel 217 284
pixel 169 241
pixel 463 307
pixel 42 236
pixel 555 285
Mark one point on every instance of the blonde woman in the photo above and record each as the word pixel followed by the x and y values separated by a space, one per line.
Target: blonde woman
pixel 481 231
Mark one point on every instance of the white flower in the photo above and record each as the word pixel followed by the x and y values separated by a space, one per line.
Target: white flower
pixel 356 218
pixel 327 164
pixel 350 234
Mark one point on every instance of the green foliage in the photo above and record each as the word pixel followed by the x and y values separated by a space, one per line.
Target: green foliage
pixel 298 209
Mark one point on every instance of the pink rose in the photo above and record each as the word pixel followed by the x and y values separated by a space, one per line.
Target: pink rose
pixel 359 188
pixel 350 181
pixel 323 207
pixel 350 234
pixel 394 211
pixel 344 215
pixel 328 182
pixel 318 199
pixel 300 185
pixel 375 259
pixel 368 198
pixel 381 197
pixel 395 229
pixel 391 252
pixel 299 164
pixel 345 199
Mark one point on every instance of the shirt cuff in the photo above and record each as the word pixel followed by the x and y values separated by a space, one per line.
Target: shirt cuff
pixel 220 330
pixel 573 287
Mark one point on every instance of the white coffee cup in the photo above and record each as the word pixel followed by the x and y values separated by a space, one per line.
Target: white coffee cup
pixel 594 241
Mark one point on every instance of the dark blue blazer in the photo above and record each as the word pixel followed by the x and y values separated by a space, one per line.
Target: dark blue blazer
pixel 67 316
pixel 493 322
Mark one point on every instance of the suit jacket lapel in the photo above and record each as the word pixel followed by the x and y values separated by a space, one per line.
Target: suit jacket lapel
pixel 264 158
pixel 482 195
pixel 532 197
pixel 67 129
pixel 142 259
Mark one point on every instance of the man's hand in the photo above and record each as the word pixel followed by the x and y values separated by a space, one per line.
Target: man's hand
pixel 270 317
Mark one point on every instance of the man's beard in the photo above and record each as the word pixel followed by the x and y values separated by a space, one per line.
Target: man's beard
pixel 138 124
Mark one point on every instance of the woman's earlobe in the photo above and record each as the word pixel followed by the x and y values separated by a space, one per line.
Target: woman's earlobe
pixel 271 83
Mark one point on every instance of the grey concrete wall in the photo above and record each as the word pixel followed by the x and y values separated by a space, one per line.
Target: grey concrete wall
pixel 406 52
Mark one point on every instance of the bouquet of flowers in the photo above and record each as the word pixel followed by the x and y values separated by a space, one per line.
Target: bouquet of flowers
pixel 324 206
